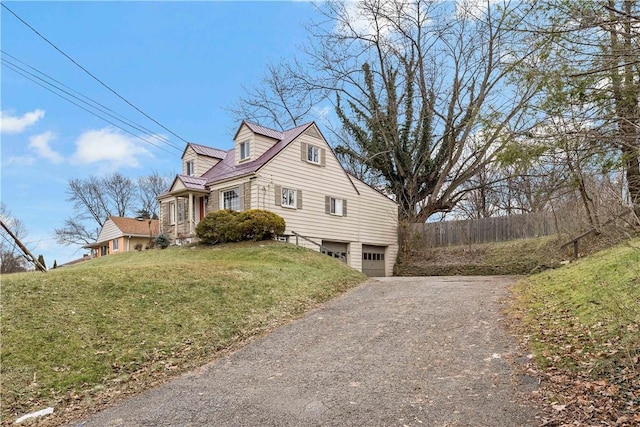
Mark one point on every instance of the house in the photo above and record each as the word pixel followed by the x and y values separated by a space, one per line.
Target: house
pixel 296 175
pixel 121 234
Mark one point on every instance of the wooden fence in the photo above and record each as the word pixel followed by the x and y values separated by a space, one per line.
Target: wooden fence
pixel 483 230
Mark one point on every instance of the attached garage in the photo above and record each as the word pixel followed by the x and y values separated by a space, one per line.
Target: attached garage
pixel 335 249
pixel 373 260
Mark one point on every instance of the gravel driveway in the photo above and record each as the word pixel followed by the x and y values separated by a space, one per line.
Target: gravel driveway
pixel 428 351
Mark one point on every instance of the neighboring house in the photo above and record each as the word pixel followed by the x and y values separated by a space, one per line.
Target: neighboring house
pixel 296 175
pixel 120 234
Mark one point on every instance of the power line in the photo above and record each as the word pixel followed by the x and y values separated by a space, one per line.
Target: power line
pixel 93 76
pixel 121 118
pixel 25 75
pixel 101 107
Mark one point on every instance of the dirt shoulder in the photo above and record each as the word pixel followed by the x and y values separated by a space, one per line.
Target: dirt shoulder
pixel 395 351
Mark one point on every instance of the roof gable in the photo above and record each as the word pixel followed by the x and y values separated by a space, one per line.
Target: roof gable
pixel 226 168
pixel 260 130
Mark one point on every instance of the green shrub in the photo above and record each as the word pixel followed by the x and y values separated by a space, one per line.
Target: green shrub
pixel 219 227
pixel 229 226
pixel 256 224
pixel 162 240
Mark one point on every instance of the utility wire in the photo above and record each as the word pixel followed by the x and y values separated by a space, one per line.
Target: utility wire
pixel 93 76
pixel 24 72
pixel 25 75
pixel 119 117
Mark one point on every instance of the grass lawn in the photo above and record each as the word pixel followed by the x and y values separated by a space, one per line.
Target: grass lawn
pixel 583 325
pixel 82 335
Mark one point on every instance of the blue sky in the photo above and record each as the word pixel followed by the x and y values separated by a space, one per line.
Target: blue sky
pixel 182 63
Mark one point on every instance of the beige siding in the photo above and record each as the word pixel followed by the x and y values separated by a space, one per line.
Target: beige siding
pixel 315 182
pixel 189 155
pixel 258 144
pixel 244 135
pixel 370 217
pixel 109 231
pixel 378 218
pixel 201 163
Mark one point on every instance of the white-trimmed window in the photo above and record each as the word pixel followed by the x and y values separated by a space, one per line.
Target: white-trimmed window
pixel 191 171
pixel 245 150
pixel 181 213
pixel 313 154
pixel 231 199
pixel 289 198
pixel 115 244
pixel 172 213
pixel 335 206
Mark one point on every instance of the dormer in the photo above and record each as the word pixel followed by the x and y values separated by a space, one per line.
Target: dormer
pixel 252 141
pixel 197 159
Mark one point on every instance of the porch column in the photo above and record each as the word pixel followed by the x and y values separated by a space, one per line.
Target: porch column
pixel 192 216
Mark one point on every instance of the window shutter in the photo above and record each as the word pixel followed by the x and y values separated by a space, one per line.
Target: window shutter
pixel 299 200
pixel 215 200
pixel 241 197
pixel 303 151
pixel 278 195
pixel 327 204
pixel 344 207
pixel 323 157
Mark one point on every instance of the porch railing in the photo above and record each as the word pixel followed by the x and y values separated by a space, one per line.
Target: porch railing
pixel 321 248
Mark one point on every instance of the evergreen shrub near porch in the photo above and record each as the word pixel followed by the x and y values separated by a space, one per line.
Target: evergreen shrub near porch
pixel 230 226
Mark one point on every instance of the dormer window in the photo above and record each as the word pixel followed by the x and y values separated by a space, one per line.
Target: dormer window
pixel 313 154
pixel 191 171
pixel 245 150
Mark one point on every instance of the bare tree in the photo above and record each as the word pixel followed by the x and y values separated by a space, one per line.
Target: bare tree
pixel 11 259
pixel 94 200
pixel 281 100
pixel 415 83
pixel 149 188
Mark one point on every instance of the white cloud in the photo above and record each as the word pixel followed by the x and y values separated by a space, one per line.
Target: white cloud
pixel 15 124
pixel 40 143
pixel 109 146
pixel 20 161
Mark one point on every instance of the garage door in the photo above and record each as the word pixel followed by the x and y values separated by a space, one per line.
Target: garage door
pixel 335 249
pixel 373 260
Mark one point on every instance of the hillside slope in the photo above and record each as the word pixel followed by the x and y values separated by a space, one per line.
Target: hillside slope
pixel 581 322
pixel 81 336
